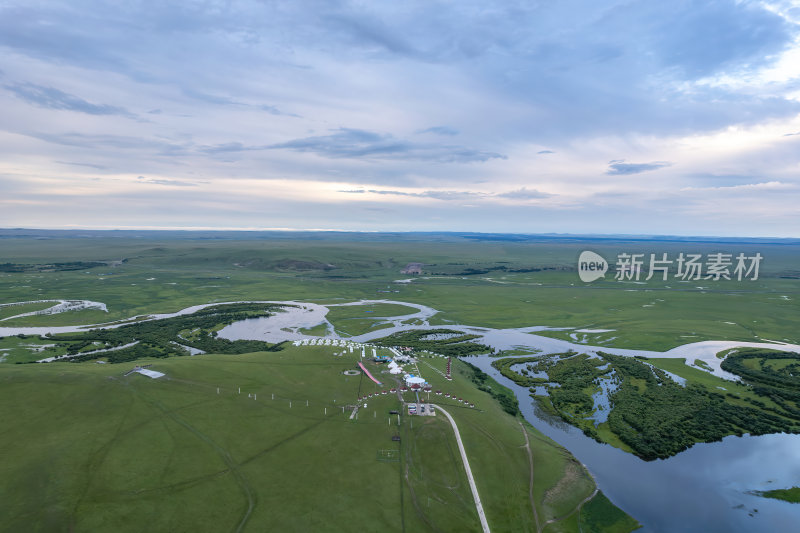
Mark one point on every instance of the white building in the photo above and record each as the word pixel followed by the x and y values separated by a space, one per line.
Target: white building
pixel 411 380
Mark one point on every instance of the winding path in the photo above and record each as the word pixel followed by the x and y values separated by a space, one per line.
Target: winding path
pixel 472 486
pixel 530 483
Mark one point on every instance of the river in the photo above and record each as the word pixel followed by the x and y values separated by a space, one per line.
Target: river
pixel 704 489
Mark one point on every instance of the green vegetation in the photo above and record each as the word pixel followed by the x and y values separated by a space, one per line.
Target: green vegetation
pixel 560 483
pixel 445 342
pixel 599 515
pixel 131 453
pixel 520 378
pixel 771 374
pixel 652 415
pixel 514 353
pixel 374 310
pixel 702 364
pixel 352 320
pixel 13 310
pixel 28 348
pixel 163 337
pixel 734 391
pixel 317 331
pixel 54 267
pixel 659 418
pixel 504 396
pixel 168 272
pixel 87 448
pixel 791 495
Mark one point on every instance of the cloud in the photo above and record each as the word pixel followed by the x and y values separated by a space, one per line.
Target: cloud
pixel 438 195
pixel 365 30
pixel 451 195
pixel 713 34
pixel 231 147
pixel 174 183
pixel 227 101
pixel 50 98
pixel 440 130
pixel 616 167
pixel 357 144
pixel 273 110
pixel 524 194
pixel 745 187
pixel 108 141
pixel 419 85
pixel 88 165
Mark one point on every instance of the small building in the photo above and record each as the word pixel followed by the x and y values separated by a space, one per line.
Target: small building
pixel 412 268
pixel 412 380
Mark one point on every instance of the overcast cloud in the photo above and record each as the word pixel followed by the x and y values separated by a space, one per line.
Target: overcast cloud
pixel 573 116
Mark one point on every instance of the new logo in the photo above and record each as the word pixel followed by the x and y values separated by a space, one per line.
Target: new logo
pixel 591 266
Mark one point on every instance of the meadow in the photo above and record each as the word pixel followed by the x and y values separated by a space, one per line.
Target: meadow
pixel 480 282
pixel 88 448
pixel 265 442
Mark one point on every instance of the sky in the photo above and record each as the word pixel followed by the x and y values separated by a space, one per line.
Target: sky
pixel 634 117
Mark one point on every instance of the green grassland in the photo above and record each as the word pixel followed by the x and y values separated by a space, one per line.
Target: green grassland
pixel 320 330
pixel 601 516
pixel 89 449
pixel 86 448
pixel 527 283
pixel 358 319
pixel 13 310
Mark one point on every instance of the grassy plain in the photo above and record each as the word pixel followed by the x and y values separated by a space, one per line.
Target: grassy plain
pixel 14 310
pixel 358 319
pixel 533 282
pixel 87 449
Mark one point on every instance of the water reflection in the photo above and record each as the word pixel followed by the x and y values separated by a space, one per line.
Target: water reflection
pixel 704 489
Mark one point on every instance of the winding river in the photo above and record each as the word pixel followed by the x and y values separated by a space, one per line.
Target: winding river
pixel 704 489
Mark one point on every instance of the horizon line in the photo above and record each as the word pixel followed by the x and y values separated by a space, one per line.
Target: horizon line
pixel 378 232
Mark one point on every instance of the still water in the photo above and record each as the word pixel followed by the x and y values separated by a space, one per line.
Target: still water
pixel 704 489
